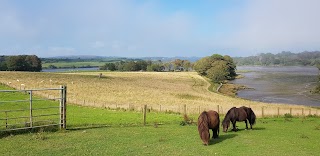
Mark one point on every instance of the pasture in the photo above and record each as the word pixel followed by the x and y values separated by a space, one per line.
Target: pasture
pixel 271 136
pixel 73 64
pixel 100 131
pixel 161 91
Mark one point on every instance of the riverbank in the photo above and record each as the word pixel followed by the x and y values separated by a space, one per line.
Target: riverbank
pixel 291 85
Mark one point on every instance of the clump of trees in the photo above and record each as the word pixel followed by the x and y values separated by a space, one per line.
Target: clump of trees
pixel 143 65
pixel 216 67
pixel 20 63
pixel 285 58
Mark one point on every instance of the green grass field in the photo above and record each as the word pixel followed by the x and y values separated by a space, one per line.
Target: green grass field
pixel 97 131
pixel 73 64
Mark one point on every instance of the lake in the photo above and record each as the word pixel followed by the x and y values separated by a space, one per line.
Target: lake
pixel 289 85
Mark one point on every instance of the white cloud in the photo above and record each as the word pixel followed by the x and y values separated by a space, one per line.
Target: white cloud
pixel 98 44
pixel 273 25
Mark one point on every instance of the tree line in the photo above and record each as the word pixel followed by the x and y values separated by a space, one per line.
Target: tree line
pixel 148 65
pixel 20 63
pixel 285 58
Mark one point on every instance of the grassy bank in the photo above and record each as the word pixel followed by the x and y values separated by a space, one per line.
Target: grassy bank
pixel 161 91
pixel 97 131
pixel 273 136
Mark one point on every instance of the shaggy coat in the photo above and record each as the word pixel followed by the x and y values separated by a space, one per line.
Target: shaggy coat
pixel 208 120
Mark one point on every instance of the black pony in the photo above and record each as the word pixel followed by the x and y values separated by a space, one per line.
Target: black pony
pixel 238 114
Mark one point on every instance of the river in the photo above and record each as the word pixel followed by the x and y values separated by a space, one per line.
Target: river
pixel 289 85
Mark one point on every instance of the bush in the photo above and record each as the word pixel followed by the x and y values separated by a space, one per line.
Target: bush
pixel 287 115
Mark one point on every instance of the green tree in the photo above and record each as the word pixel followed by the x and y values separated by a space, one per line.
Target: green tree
pixel 17 63
pixel 33 63
pixel 216 67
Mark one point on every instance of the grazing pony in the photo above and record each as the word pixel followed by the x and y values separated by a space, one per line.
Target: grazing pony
pixel 238 114
pixel 208 120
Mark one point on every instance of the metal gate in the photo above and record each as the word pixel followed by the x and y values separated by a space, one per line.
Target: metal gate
pixel 29 110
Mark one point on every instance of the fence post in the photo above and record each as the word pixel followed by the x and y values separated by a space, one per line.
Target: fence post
pixel 144 114
pixel 278 111
pixel 63 109
pixel 309 111
pixel 31 122
pixel 6 119
pixel 262 111
pixel 185 109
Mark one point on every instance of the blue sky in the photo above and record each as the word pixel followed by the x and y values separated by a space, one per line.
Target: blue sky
pixel 138 28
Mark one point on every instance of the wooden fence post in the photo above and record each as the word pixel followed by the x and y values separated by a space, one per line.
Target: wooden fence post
pixel 144 114
pixel 185 109
pixel 262 111
pixel 309 111
pixel 278 112
pixel 6 119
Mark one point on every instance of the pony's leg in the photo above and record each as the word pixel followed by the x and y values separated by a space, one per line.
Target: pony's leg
pixel 246 123
pixel 234 126
pixel 214 133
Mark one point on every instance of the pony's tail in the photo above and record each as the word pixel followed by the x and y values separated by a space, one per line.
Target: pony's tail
pixel 253 117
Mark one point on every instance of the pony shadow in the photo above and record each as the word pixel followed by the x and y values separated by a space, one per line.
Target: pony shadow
pixel 243 129
pixel 221 138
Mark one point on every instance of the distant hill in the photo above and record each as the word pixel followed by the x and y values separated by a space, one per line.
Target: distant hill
pixel 102 58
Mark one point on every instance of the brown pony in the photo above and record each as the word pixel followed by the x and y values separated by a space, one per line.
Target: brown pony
pixel 208 120
pixel 238 114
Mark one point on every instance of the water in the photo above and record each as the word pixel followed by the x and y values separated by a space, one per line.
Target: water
pixel 290 85
pixel 70 69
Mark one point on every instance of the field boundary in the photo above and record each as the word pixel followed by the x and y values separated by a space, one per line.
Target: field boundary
pixel 260 111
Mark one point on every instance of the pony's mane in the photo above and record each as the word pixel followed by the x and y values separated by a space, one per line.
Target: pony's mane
pixel 203 127
pixel 226 120
pixel 203 121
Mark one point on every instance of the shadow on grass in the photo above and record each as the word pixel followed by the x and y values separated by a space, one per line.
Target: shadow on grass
pixel 253 129
pixel 221 138
pixel 78 128
pixel 4 134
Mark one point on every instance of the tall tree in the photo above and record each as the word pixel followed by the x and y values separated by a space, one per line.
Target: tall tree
pixel 216 67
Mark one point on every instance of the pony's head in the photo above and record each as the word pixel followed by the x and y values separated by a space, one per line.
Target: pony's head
pixel 225 125
pixel 205 137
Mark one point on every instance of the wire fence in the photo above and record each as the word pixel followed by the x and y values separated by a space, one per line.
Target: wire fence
pixel 271 110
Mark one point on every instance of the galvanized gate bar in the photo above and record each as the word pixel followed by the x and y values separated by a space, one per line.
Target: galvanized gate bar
pixel 49 121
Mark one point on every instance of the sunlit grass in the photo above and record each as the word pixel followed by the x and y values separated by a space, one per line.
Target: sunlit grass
pixel 161 91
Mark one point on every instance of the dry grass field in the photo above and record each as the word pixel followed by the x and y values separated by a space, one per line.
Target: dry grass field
pixel 161 91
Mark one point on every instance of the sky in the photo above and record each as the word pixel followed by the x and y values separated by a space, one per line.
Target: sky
pixel 158 28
